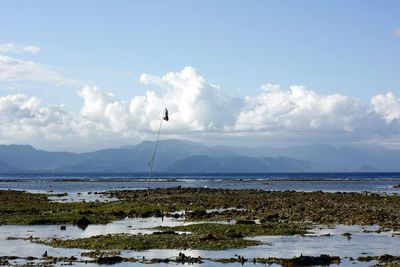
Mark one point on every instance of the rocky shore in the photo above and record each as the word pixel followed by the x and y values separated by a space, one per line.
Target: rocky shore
pixel 243 213
pixel 277 206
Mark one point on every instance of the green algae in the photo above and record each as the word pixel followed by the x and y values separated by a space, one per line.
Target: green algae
pixel 152 241
pixel 238 230
pixel 210 236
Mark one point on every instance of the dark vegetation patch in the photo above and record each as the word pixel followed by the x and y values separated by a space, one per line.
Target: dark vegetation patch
pixel 152 241
pixel 321 260
pixel 384 260
pixel 240 230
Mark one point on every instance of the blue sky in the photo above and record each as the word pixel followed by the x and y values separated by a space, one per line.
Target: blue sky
pixel 350 48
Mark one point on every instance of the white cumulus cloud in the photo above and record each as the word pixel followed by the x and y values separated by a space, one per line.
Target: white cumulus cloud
pixel 102 111
pixel 388 106
pixel 22 117
pixel 298 108
pixel 194 103
pixel 199 108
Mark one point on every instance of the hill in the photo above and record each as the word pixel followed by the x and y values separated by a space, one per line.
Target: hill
pixel 176 156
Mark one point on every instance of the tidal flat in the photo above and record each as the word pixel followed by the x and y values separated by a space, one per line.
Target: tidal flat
pixel 203 220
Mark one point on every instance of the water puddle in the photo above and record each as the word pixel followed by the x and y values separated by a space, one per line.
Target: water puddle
pixel 80 197
pixel 88 196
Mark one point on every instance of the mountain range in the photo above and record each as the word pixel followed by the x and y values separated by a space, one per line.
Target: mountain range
pixel 176 156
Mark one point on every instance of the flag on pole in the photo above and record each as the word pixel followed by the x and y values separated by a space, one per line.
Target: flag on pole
pixel 151 163
pixel 166 118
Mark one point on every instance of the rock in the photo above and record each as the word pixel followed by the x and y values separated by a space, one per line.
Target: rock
pixel 156 260
pixel 348 235
pixel 110 260
pixel 165 233
pixel 311 260
pixel 119 214
pixel 208 236
pixel 233 234
pixel 245 222
pixel 63 227
pixel 182 258
pixel 241 259
pixel 82 223
pixel 387 258
pixel 197 214
pixel 72 258
pixel 271 218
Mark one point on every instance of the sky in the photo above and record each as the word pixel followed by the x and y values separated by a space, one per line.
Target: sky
pixel 85 75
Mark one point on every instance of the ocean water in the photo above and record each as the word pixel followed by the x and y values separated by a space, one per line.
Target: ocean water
pixel 329 182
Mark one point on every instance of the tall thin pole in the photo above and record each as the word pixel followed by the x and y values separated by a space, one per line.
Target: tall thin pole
pixel 151 163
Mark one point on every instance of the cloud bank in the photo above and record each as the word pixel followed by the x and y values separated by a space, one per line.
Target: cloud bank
pixel 200 108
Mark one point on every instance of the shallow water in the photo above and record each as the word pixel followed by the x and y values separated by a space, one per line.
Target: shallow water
pixel 361 244
pixel 128 226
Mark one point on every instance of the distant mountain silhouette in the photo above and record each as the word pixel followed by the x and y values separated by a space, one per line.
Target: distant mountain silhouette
pixel 177 156
pixel 242 164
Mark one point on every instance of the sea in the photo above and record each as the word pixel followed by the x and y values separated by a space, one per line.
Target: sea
pixel 382 182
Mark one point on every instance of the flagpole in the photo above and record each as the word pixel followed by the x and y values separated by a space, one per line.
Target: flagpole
pixel 151 163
